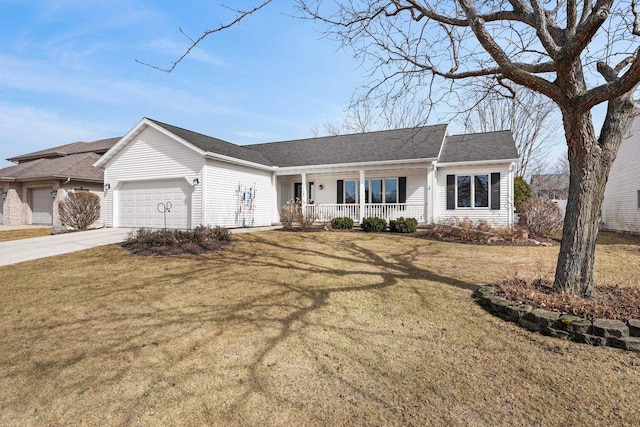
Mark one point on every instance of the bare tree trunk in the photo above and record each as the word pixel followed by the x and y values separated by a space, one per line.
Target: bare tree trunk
pixel 590 160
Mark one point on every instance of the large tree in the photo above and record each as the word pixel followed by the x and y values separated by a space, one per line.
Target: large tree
pixel 577 53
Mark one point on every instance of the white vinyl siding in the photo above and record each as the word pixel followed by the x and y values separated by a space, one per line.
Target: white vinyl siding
pixel 620 208
pixel 223 207
pixel 497 217
pixel 152 155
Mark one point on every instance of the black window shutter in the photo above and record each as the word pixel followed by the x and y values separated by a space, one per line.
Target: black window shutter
pixel 340 191
pixel 451 191
pixel 402 189
pixel 495 190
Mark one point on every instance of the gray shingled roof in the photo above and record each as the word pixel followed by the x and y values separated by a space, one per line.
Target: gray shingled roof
pixel 478 147
pixel 401 144
pixel 100 147
pixel 215 145
pixel 77 166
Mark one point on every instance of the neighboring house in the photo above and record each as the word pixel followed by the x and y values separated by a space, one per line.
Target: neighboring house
pixel 31 190
pixel 621 204
pixel 554 186
pixel 161 175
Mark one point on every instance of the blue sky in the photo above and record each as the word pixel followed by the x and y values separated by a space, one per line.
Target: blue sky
pixel 68 72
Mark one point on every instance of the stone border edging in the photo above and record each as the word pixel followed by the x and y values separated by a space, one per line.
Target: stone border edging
pixel 600 332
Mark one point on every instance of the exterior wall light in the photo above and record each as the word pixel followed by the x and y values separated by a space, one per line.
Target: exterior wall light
pixel 320 187
pixel 107 187
pixel 196 181
pixel 54 193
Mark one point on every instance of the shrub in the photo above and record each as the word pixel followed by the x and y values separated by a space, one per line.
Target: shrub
pixel 289 213
pixel 342 223
pixel 145 241
pixel 402 225
pixel 292 213
pixel 541 217
pixel 373 224
pixel 521 192
pixel 306 219
pixel 79 209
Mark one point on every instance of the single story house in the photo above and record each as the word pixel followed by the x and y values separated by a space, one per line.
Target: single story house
pixel 621 204
pixel 161 175
pixel 31 190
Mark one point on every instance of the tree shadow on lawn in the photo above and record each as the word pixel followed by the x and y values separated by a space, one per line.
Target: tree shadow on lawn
pixel 152 341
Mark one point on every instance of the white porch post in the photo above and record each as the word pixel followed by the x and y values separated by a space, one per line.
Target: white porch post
pixel 432 186
pixel 275 214
pixel 304 190
pixel 361 195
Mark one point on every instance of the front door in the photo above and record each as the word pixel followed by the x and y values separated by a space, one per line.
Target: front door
pixel 297 191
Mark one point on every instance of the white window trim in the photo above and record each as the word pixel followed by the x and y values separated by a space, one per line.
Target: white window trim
pixel 473 192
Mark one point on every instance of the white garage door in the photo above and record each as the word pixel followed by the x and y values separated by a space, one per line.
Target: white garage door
pixel 41 206
pixel 140 204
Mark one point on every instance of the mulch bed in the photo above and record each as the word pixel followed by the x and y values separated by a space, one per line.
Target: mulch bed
pixel 610 302
pixel 180 248
pixel 455 234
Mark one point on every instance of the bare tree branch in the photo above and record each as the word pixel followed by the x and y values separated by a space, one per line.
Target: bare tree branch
pixel 240 16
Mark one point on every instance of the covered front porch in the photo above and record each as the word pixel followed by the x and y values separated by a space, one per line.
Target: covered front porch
pixel 383 192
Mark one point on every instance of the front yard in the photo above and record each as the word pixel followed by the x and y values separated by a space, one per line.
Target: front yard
pixel 27 233
pixel 299 329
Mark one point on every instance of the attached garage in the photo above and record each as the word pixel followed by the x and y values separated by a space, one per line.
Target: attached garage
pixel 142 204
pixel 41 206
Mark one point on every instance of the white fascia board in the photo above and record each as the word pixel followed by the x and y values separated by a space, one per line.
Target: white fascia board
pixel 477 163
pixel 347 167
pixel 444 140
pixel 130 136
pixel 228 159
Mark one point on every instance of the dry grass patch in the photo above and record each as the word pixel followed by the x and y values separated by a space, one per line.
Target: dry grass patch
pixel 297 329
pixel 5 236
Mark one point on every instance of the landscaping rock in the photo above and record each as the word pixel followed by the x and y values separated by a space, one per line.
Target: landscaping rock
pixel 59 229
pixel 515 311
pixel 626 343
pixel 634 327
pixel 570 323
pixel 590 339
pixel 610 328
pixel 544 318
pixel 557 333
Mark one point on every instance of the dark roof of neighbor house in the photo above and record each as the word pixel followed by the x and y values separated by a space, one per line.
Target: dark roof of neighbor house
pixel 214 145
pixel 479 147
pixel 99 147
pixel 401 144
pixel 75 166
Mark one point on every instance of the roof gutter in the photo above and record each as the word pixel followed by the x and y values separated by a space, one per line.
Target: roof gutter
pixel 477 162
pixel 292 169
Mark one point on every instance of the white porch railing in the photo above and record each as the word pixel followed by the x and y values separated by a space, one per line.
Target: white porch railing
pixel 388 211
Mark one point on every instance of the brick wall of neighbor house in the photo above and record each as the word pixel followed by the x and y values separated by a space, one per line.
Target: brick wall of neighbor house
pixel 13 209
pixel 620 210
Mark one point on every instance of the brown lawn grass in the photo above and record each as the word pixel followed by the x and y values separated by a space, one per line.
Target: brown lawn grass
pixel 299 329
pixel 7 235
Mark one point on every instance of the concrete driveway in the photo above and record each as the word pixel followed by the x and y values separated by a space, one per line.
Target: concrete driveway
pixel 15 251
